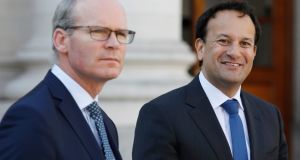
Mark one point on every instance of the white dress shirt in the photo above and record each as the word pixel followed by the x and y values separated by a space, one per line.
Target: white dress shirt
pixel 216 99
pixel 80 95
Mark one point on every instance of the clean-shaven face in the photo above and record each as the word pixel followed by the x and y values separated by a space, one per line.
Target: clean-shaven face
pixel 91 60
pixel 228 51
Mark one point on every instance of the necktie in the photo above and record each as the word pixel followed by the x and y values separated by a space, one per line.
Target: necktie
pixel 239 148
pixel 96 115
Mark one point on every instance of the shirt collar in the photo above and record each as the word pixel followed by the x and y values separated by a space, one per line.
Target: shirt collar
pixel 214 95
pixel 80 95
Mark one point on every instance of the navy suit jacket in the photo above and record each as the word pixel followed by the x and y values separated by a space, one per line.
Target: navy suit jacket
pixel 181 125
pixel 47 124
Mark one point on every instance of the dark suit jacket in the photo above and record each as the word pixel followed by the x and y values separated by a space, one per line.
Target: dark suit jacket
pixel 181 125
pixel 47 124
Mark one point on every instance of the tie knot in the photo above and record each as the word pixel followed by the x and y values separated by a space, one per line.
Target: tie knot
pixel 94 109
pixel 231 106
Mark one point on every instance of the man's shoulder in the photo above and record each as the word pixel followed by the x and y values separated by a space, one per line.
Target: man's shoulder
pixel 169 96
pixel 35 101
pixel 171 100
pixel 37 95
pixel 43 93
pixel 177 97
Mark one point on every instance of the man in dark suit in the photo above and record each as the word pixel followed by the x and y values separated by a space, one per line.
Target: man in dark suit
pixel 60 118
pixel 212 118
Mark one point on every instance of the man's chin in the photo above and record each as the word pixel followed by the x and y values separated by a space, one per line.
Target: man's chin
pixel 112 75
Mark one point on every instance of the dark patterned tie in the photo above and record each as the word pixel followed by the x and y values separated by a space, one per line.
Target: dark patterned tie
pixel 239 148
pixel 96 115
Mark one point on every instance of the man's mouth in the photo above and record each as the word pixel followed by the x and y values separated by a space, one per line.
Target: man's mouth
pixel 232 64
pixel 110 59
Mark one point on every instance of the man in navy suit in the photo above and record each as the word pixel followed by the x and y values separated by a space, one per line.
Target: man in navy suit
pixel 53 122
pixel 193 122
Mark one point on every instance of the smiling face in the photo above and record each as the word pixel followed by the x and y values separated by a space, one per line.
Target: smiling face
pixel 228 51
pixel 89 62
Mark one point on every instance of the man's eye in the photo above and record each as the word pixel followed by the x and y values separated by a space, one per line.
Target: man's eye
pixel 246 44
pixel 122 34
pixel 223 42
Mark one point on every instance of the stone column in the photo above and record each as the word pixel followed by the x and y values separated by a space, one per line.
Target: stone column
pixel 35 56
pixel 15 27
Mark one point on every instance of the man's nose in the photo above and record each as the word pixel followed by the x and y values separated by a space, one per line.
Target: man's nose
pixel 112 41
pixel 234 49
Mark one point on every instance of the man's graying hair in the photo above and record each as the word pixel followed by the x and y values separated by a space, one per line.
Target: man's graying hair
pixel 63 16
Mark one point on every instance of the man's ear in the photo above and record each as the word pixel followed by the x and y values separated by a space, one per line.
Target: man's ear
pixel 59 39
pixel 254 50
pixel 199 46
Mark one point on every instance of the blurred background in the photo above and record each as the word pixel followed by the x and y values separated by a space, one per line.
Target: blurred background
pixel 160 59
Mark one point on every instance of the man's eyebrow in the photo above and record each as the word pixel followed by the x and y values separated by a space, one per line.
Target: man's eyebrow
pixel 227 36
pixel 246 38
pixel 223 35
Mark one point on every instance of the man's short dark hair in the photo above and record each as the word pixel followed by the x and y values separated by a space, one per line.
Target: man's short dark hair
pixel 243 7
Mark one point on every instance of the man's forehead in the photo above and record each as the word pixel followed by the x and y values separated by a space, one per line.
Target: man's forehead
pixel 87 6
pixel 227 17
pixel 229 13
pixel 231 23
pixel 103 12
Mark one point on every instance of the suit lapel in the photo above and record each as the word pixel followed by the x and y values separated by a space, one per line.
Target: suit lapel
pixel 73 115
pixel 204 117
pixel 112 136
pixel 254 127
